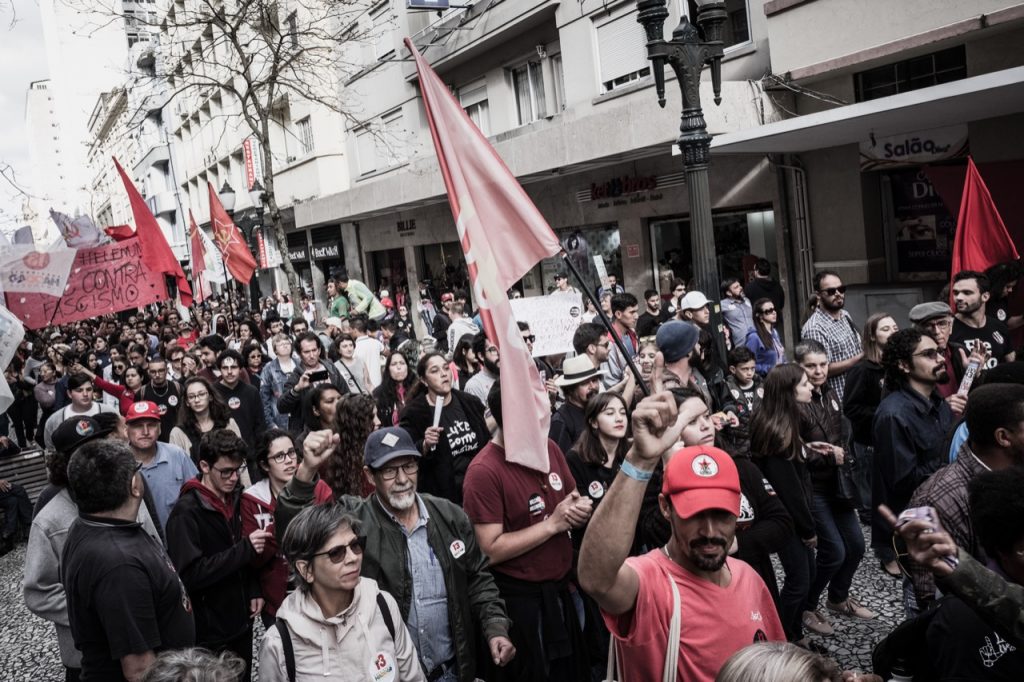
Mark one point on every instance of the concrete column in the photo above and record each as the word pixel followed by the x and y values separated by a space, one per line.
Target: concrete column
pixel 636 270
pixel 352 251
pixel 412 275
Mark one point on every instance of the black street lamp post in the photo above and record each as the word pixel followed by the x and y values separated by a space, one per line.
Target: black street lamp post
pixel 688 52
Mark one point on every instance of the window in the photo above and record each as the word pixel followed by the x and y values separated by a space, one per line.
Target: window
pixel 381 38
pixel 366 151
pixel 305 129
pixel 737 25
pixel 911 74
pixel 473 98
pixel 528 85
pixel 392 147
pixel 622 49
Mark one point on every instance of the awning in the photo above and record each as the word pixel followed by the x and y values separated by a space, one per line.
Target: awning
pixel 987 96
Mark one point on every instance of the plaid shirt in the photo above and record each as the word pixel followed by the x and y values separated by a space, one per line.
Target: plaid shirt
pixel 946 490
pixel 839 337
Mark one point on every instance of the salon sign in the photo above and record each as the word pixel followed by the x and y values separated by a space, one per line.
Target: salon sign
pixel 913 148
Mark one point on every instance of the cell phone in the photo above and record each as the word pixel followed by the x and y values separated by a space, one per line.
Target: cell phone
pixel 321 375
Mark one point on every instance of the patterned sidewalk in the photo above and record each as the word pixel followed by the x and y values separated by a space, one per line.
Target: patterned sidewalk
pixel 28 645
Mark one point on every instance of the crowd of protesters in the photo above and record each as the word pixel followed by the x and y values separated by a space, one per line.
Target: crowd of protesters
pixel 343 478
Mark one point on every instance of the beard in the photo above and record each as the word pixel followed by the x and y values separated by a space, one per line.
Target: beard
pixel 833 304
pixel 491 366
pixel 403 500
pixel 706 563
pixel 942 376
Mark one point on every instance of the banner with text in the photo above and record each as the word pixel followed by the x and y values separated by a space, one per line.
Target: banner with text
pixel 553 319
pixel 24 269
pixel 105 279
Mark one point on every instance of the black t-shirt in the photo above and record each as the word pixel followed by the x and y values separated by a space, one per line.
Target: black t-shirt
pixel 965 648
pixel 593 481
pixel 648 323
pixel 168 400
pixel 463 441
pixel 124 596
pixel 995 335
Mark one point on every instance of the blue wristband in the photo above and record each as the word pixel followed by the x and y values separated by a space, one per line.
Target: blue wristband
pixel 634 473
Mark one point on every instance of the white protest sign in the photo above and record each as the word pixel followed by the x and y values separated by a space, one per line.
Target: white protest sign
pixel 11 334
pixel 24 269
pixel 553 320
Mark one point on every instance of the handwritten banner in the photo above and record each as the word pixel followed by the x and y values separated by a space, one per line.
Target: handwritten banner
pixel 553 319
pixel 103 280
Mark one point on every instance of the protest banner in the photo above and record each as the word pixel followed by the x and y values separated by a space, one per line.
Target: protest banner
pixel 26 270
pixel 105 279
pixel 11 334
pixel 553 319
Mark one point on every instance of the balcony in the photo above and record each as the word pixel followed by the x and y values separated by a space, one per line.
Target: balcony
pixel 162 203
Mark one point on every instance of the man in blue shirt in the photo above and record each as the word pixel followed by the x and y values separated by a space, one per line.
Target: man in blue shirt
pixel 165 467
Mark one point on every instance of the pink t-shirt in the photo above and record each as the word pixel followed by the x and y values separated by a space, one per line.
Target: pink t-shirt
pixel 716 622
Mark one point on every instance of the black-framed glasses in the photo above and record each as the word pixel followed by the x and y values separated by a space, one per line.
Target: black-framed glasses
pixel 192 397
pixel 229 472
pixel 832 291
pixel 390 473
pixel 930 354
pixel 338 554
pixel 282 457
pixel 530 339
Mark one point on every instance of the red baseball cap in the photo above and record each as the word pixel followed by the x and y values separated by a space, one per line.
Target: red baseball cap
pixel 142 410
pixel 701 477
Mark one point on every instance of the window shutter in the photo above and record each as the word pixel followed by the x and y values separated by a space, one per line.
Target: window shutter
pixel 473 93
pixel 621 44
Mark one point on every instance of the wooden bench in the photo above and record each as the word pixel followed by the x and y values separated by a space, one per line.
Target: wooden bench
pixel 28 469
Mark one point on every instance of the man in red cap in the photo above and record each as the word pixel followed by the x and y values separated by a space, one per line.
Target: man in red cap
pixel 165 467
pixel 723 604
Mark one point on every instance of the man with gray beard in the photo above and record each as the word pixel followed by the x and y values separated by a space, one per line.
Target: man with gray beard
pixel 420 548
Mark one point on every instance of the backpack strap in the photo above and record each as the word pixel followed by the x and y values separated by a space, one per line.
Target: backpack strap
pixel 385 613
pixel 289 651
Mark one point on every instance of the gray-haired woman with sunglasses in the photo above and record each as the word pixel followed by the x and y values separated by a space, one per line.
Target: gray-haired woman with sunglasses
pixel 340 625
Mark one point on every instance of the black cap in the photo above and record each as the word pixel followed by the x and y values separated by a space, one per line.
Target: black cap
pixel 77 431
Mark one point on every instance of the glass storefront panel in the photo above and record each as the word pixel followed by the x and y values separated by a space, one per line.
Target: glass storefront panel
pixel 737 234
pixel 583 244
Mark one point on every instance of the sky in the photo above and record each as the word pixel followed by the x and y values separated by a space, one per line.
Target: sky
pixel 22 60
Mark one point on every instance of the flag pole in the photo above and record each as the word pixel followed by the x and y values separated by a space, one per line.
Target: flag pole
pixel 607 323
pixel 227 290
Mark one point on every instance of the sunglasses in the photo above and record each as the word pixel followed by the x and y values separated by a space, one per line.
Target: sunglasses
pixel 530 339
pixel 931 354
pixel 766 311
pixel 338 554
pixel 832 291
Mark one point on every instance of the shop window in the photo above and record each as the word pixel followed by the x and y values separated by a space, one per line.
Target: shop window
pixel 584 245
pixel 911 74
pixel 622 49
pixel 473 98
pixel 736 233
pixel 528 85
pixel 737 26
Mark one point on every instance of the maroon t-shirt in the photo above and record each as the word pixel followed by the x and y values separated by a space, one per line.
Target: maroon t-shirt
pixel 496 491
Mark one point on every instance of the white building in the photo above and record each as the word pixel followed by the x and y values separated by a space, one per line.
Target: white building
pixel 47 159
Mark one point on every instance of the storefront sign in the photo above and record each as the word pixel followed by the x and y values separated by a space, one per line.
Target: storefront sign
pixel 297 253
pixel 616 187
pixel 922 225
pixel 914 148
pixel 406 227
pixel 553 320
pixel 632 250
pixel 325 251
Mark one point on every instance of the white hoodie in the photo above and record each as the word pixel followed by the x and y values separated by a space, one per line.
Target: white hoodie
pixel 355 644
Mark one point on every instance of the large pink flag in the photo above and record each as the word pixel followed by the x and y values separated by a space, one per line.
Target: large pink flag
pixel 503 236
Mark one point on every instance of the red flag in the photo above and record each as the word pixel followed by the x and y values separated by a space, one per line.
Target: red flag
pixel 119 233
pixel 503 236
pixel 237 257
pixel 156 253
pixel 981 238
pixel 198 257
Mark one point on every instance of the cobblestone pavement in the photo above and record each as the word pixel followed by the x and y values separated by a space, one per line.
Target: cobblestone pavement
pixel 28 645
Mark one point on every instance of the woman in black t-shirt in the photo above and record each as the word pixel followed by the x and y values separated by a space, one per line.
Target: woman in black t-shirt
pixel 595 458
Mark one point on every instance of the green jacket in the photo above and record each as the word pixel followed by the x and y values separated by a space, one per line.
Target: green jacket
pixel 339 307
pixel 363 300
pixel 997 600
pixel 473 601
